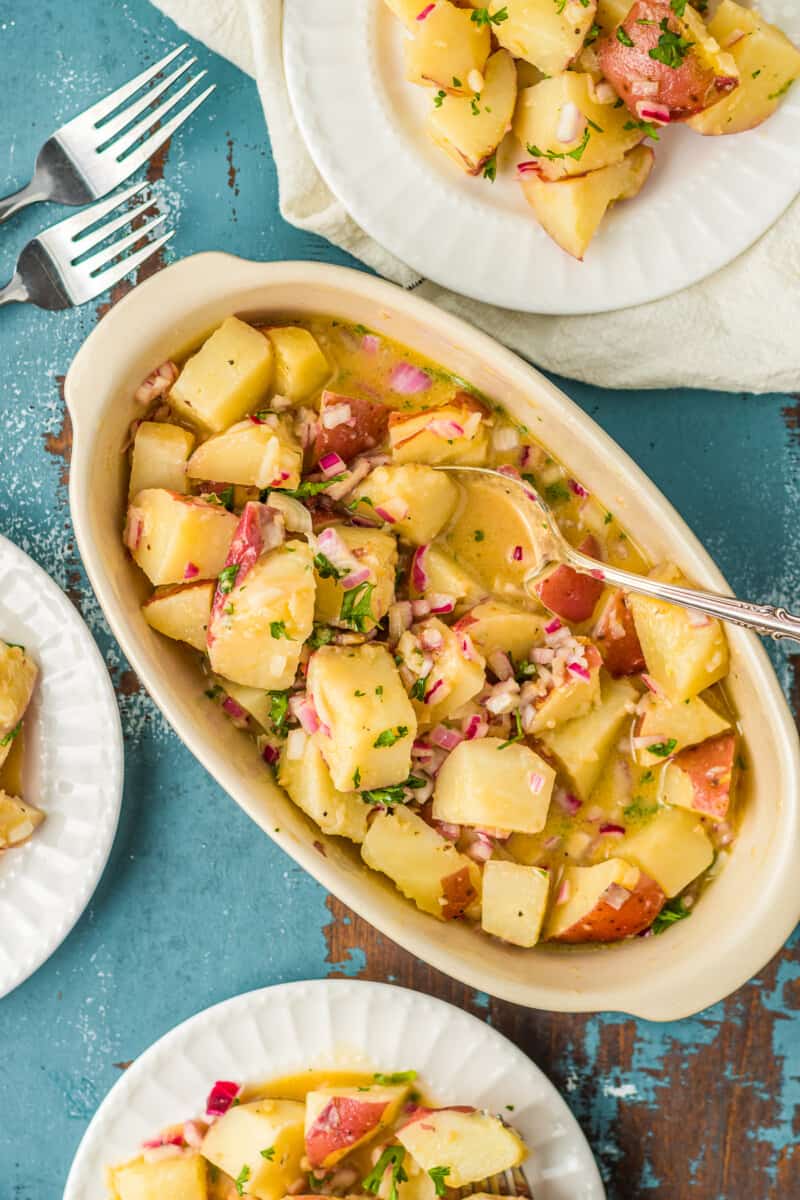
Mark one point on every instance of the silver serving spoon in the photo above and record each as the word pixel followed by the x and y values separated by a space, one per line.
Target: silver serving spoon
pixel 773 622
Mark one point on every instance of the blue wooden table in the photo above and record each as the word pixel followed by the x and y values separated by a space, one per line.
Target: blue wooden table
pixel 196 905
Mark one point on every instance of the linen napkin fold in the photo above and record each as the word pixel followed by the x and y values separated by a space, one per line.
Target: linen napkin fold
pixel 737 331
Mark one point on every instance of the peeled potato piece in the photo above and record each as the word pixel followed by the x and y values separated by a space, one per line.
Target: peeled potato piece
pixel 572 210
pixel 18 820
pixel 543 32
pixel 471 129
pixel 767 61
pixel 446 48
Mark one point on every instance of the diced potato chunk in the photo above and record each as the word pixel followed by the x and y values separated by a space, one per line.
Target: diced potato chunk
pixel 445 576
pixel 672 848
pixel 545 33
pixel 174 538
pixel 493 626
pixel 426 868
pixel 160 452
pixel 227 378
pixel 571 210
pixel 368 721
pixel 340 1119
pixel 182 612
pixel 235 1141
pixel 700 778
pixel 373 549
pixel 582 746
pixel 474 1145
pixel 484 785
pixel 300 366
pixel 406 10
pixel 446 47
pixel 308 782
pixel 514 901
pixel 454 433
pixel 592 906
pixel 454 678
pixel 684 653
pixel 536 127
pixel 611 13
pixel 256 636
pixel 571 699
pixel 180 1178
pixel 18 820
pixel 252 452
pixel 767 63
pixel 670 727
pixel 471 129
pixel 429 497
pixel 18 674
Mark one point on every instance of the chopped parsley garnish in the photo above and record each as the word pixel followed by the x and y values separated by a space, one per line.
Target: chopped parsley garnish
pixel 638 808
pixel 678 7
pixel 439 99
pixel 479 535
pixel 379 690
pixel 395 1077
pixel 362 329
pixel 672 48
pixel 648 128
pixel 646 777
pixel 357 777
pixel 389 736
pixel 16 646
pixel 8 739
pixel 490 168
pixel 226 497
pixel 227 578
pixel 418 689
pixel 309 487
pixel 456 81
pixel 577 153
pixel 213 692
pixel 592 35
pixel 673 910
pixel 392 1158
pixel 438 1174
pixel 321 635
pixel 357 606
pixel 326 569
pixel 482 16
pixel 279 710
pixel 241 1179
pixel 554 493
pixel 268 1154
pixel 387 796
pixel 781 90
pixel 518 736
pixel 278 630
pixel 473 104
pixel 662 749
pixel 594 126
pixel 624 37
pixel 607 519
pixel 526 670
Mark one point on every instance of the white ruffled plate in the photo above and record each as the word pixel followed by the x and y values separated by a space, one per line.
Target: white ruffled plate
pixel 707 200
pixel 330 1023
pixel 73 770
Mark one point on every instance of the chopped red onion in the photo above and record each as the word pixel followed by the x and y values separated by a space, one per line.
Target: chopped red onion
pixel 166 1150
pixel 612 830
pixel 334 548
pixel 579 670
pixel 428 9
pixel 616 896
pixel 473 727
pixel 419 576
pixel 562 895
pixel 726 83
pixel 354 579
pixel 420 608
pixel 566 801
pixel 649 110
pixel 270 754
pixel 296 516
pixel 577 488
pixel 651 685
pixel 221 1097
pixel 134 527
pixel 408 379
pixel 531 167
pixel 370 343
pixel 571 123
pixel 516 554
pixel 542 655
pixel 159 382
pixel 501 665
pixel 431 639
pixel 235 711
pixel 331 464
pixel 392 511
pixel 432 692
pixel 553 626
pixel 445 427
pixel 466 647
pixel 551 843
pixel 441 602
pixel 480 851
pixel 444 738
pixel 536 782
pixel 448 830
pixel 191 570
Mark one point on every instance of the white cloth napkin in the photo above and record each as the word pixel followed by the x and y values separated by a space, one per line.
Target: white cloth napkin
pixel 738 331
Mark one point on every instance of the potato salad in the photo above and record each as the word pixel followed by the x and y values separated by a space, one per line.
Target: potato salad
pixel 582 84
pixel 332 1133
pixel 525 749
pixel 19 819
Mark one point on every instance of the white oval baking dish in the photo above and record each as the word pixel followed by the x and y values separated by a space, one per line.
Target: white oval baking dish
pixel 750 910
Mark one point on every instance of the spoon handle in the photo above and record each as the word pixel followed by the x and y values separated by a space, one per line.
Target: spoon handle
pixel 777 623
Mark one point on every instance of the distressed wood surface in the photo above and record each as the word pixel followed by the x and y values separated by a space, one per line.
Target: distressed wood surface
pixel 196 905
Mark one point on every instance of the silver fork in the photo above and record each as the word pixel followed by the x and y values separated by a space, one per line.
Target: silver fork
pixel 83 160
pixel 508 1183
pixel 52 271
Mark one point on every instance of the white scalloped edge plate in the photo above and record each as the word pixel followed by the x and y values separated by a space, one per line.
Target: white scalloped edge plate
pixel 707 200
pixel 338 1023
pixel 73 770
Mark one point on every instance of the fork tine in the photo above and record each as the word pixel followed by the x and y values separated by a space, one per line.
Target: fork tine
pixel 111 128
pixel 84 244
pixel 107 279
pixel 91 265
pixel 142 153
pixel 106 106
pixel 72 226
pixel 150 118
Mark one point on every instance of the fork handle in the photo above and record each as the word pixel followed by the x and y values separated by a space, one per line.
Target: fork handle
pixel 14 292
pixel 30 194
pixel 777 623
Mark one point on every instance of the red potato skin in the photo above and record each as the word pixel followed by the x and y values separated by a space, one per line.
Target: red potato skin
pixel 569 594
pixel 420 1113
pixel 458 893
pixel 710 770
pixel 245 549
pixel 603 923
pixel 342 1122
pixel 685 90
pixel 365 430
pixel 617 640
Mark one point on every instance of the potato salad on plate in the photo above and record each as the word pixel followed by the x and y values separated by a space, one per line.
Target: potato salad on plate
pixel 524 749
